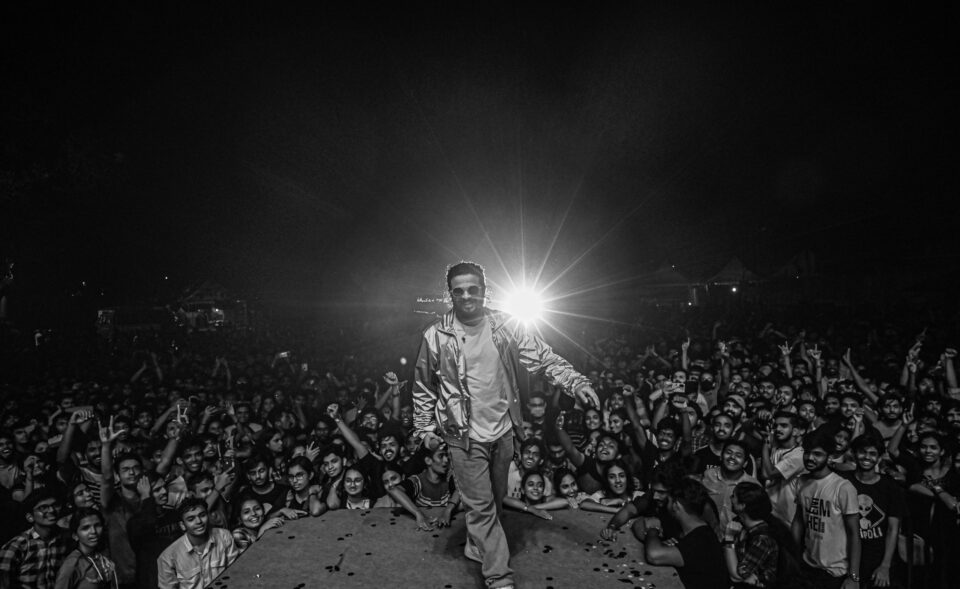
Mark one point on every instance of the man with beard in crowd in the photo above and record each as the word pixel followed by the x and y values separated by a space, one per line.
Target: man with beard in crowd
pixel 696 555
pixel 781 462
pixel 651 504
pixel 708 457
pixel 827 519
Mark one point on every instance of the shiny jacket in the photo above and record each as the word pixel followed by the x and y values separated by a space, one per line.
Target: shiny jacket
pixel 441 402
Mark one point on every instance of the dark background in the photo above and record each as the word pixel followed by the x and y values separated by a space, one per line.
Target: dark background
pixel 337 158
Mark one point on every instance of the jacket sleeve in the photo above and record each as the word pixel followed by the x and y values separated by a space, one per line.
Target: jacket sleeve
pixel 426 387
pixel 539 358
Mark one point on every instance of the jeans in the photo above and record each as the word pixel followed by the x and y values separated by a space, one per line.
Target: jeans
pixel 820 578
pixel 481 477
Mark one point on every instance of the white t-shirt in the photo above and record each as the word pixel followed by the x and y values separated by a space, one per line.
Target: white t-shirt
pixel 824 503
pixel 486 382
pixel 789 463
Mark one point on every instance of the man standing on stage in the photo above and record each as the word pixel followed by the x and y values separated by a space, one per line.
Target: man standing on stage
pixel 467 395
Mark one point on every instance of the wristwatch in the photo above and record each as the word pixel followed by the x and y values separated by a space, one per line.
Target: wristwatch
pixel 854 577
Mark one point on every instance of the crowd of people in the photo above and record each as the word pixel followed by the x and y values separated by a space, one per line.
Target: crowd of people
pixel 743 448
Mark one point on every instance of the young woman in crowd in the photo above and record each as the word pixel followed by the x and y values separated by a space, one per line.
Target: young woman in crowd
pixel 532 498
pixel 592 425
pixel 304 495
pixel 619 488
pixel 566 486
pixel 252 523
pixel 932 492
pixel 87 567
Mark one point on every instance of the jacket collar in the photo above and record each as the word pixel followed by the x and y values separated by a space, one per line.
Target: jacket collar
pixel 496 319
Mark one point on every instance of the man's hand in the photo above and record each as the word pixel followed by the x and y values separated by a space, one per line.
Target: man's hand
pixel 723 349
pixel 333 411
pixel 80 417
pixel 685 345
pixel 914 352
pixel 288 513
pixel 224 479
pixel 109 435
pixel 608 533
pixel 444 520
pixel 785 349
pixel 424 524
pixel 182 414
pixel 587 397
pixel 732 530
pixel 178 429
pixel 881 576
pixel 849 583
pixel 541 513
pixel 143 487
pixel 312 451
pixel 431 441
pixel 273 522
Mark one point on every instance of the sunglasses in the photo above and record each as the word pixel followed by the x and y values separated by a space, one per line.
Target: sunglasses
pixel 473 291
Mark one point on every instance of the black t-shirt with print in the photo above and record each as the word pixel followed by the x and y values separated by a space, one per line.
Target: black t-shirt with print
pixel 877 502
pixel 272 500
pixel 589 475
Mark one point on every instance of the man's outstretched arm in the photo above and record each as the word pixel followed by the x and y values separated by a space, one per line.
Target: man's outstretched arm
pixel 425 387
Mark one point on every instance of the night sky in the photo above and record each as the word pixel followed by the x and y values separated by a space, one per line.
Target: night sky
pixel 349 157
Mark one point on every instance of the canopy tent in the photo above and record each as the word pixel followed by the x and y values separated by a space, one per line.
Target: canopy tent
pixel 210 304
pixel 733 273
pixel 666 285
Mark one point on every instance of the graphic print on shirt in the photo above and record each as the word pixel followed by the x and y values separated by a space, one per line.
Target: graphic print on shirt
pixel 872 518
pixel 818 510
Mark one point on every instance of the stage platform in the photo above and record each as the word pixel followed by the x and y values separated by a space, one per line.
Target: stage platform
pixel 382 548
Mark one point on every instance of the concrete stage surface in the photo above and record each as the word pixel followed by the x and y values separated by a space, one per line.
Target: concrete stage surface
pixel 382 548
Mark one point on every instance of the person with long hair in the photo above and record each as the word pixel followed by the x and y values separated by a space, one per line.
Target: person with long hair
pixel 532 499
pixel 619 489
pixel 933 489
pixel 353 492
pixel 86 567
pixel 252 523
pixel 303 495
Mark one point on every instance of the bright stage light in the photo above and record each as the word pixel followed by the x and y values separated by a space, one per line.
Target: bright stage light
pixel 524 304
